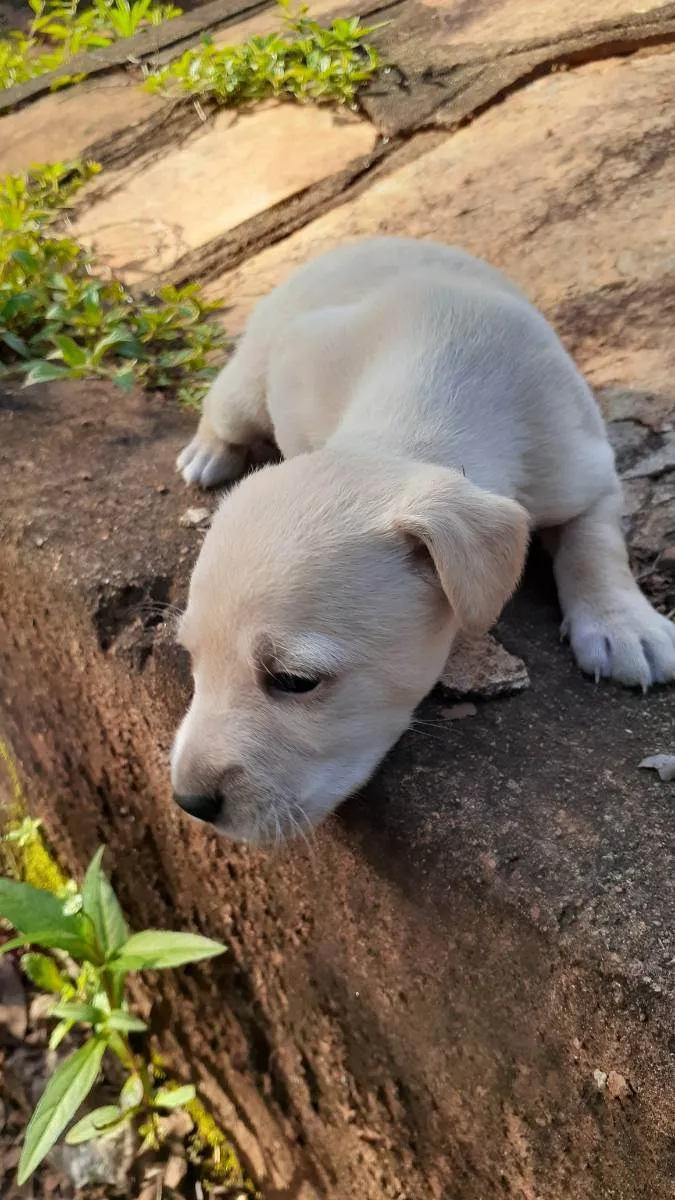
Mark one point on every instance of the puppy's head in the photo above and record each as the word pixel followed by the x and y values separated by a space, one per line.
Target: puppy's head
pixel 321 611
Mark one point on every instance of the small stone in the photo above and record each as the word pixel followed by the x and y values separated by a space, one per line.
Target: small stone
pixel 40 541
pixel 600 1078
pixel 482 667
pixel 663 763
pixel 162 489
pixel 457 712
pixel 194 517
pixel 618 1086
pixel 103 1161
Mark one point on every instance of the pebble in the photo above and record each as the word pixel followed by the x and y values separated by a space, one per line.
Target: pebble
pixel 194 517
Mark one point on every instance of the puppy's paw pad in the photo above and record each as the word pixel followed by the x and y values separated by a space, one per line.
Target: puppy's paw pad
pixel 634 645
pixel 209 461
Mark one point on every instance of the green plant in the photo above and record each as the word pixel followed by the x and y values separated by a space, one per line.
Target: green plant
pixel 61 30
pixel 305 62
pixel 24 833
pixel 59 319
pixel 92 954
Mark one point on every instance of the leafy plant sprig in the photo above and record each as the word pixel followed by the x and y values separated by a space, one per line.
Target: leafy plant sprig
pixel 305 62
pixel 59 319
pixel 61 30
pixel 93 953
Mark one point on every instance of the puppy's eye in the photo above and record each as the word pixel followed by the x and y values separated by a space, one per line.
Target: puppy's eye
pixel 295 685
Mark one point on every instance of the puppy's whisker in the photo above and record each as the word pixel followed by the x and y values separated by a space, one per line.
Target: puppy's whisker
pixel 426 729
pixel 157 610
pixel 307 837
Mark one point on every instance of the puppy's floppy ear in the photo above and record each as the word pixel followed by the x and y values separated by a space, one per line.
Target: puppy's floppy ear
pixel 477 541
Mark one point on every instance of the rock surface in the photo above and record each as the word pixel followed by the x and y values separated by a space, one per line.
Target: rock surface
pixel 226 172
pixel 66 123
pixel 480 1001
pixel 583 223
pixel 507 20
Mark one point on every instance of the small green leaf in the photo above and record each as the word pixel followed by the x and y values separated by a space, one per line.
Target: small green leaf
pixel 114 338
pixel 26 832
pixel 96 1124
pixel 125 1021
pixel 132 1093
pixel 33 910
pixel 102 907
pixel 59 1032
pixel 44 372
pixel 72 1011
pixel 15 343
pixel 72 943
pixel 13 944
pixel 174 1097
pixel 125 379
pixel 26 260
pixel 72 354
pixel 68 1087
pixel 44 973
pixel 157 949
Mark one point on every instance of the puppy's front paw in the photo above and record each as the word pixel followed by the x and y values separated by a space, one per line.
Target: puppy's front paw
pixel 627 641
pixel 208 460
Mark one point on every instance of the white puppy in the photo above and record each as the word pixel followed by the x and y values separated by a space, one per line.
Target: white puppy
pixel 429 418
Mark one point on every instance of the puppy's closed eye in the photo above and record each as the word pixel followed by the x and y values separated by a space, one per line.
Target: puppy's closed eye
pixel 286 683
pixel 299 664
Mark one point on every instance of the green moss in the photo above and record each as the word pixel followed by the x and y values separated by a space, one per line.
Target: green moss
pixel 215 1154
pixel 27 857
pixel 40 869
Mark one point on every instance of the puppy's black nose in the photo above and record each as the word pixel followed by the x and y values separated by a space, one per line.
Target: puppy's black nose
pixel 205 808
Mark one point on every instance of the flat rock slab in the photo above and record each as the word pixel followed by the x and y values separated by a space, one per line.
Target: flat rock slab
pixel 498 931
pixel 486 21
pixel 141 219
pixel 64 125
pixel 583 221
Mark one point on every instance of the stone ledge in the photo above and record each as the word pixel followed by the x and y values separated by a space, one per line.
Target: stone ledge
pixel 496 943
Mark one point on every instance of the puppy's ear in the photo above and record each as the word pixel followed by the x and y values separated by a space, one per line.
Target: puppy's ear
pixel 477 541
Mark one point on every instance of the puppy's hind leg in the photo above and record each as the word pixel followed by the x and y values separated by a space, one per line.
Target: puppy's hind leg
pixel 234 419
pixel 613 630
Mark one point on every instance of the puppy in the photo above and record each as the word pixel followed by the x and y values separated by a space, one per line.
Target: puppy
pixel 429 418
